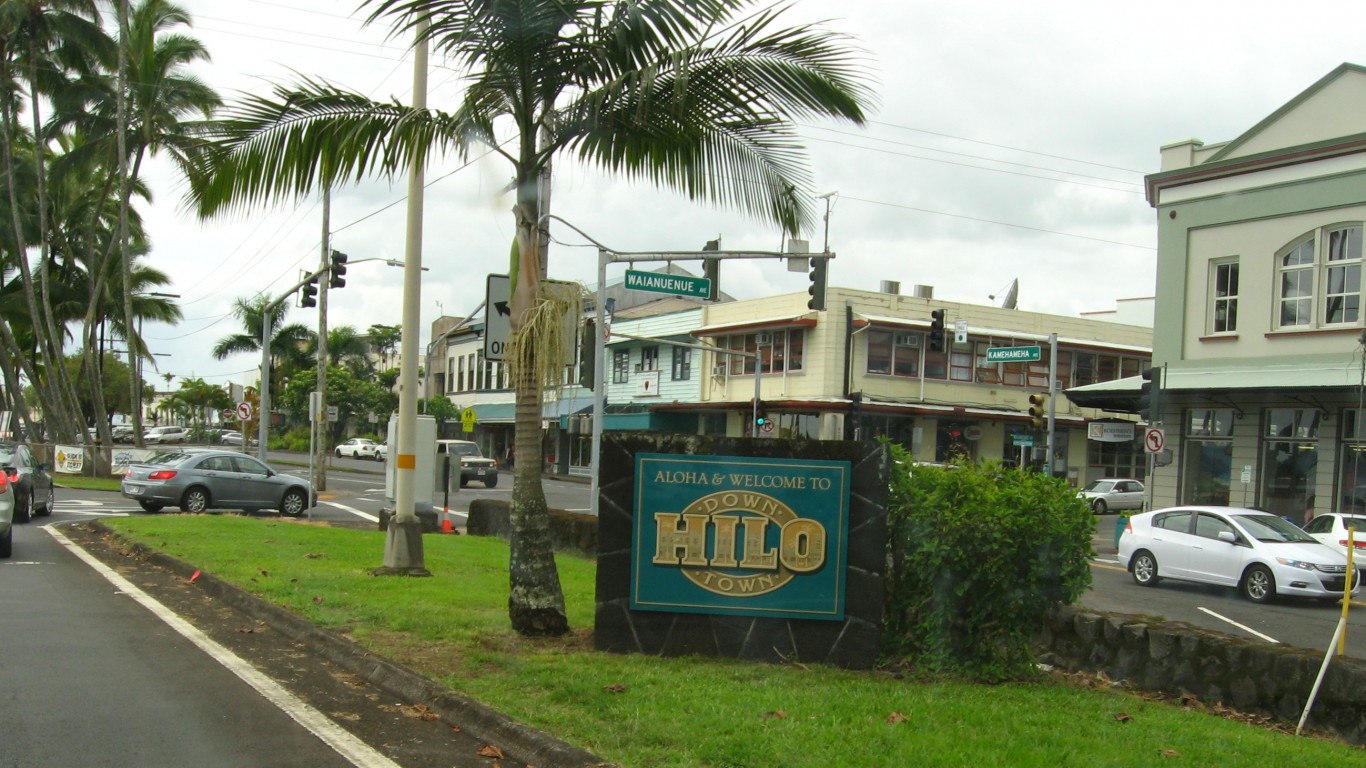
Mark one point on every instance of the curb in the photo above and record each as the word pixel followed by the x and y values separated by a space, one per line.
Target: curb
pixel 520 741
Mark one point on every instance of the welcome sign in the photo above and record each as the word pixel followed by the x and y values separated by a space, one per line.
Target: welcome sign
pixel 740 536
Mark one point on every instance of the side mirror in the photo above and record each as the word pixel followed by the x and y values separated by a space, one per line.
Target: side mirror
pixel 1228 536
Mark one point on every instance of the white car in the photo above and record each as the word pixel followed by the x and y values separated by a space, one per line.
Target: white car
pixel 1113 493
pixel 356 448
pixel 382 452
pixel 1331 529
pixel 1258 553
pixel 162 435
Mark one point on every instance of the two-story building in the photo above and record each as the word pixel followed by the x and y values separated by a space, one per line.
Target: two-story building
pixel 1259 309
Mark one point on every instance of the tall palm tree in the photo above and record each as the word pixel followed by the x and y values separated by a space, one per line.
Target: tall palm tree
pixel 695 95
pixel 289 343
pixel 43 44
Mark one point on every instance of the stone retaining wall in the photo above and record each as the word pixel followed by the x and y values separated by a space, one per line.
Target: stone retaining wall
pixel 573 532
pixel 1174 658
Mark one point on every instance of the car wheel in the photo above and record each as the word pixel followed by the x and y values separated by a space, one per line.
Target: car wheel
pixel 150 506
pixel 23 508
pixel 195 500
pixel 49 499
pixel 7 542
pixel 294 503
pixel 491 482
pixel 1098 506
pixel 1144 569
pixel 1259 585
pixel 464 482
pixel 339 453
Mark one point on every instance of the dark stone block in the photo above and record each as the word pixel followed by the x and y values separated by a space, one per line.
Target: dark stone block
pixel 690 634
pixel 652 629
pixel 1087 627
pixel 769 640
pixel 863 596
pixel 858 646
pixel 730 633
pixel 613 580
pixel 1161 643
pixel 612 629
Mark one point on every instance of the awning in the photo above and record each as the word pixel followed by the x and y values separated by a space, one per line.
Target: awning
pixel 807 320
pixel 506 413
pixel 1122 394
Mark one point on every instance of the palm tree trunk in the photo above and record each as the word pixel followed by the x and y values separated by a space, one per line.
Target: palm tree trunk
pixel 125 259
pixel 535 598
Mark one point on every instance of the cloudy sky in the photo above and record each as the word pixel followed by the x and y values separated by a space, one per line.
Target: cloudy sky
pixel 1010 141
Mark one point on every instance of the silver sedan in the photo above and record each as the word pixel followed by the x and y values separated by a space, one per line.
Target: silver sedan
pixel 197 479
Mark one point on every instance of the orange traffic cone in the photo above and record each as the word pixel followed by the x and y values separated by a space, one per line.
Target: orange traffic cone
pixel 446 526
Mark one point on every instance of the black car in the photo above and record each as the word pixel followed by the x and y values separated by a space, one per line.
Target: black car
pixel 30 480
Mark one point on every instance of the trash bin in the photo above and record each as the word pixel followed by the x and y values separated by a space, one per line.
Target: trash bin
pixel 1121 522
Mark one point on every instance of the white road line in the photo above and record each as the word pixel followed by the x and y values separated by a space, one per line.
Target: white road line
pixel 357 752
pixel 1243 627
pixel 352 510
pixel 1103 560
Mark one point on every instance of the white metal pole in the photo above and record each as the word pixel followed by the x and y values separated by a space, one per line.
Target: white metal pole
pixel 1052 395
pixel 599 380
pixel 263 407
pixel 406 460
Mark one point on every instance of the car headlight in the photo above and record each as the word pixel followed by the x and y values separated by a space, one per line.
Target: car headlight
pixel 1295 563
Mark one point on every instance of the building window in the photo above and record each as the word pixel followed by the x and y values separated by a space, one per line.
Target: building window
pixel 460 380
pixel 1207 458
pixel 1224 300
pixel 1332 276
pixel 778 351
pixel 1351 490
pixel 649 358
pixel 1342 277
pixel 621 366
pixel 894 352
pixel 682 364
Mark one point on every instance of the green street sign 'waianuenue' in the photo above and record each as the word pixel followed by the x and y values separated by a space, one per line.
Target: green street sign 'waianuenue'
pixel 740 536
pixel 1013 354
pixel 660 282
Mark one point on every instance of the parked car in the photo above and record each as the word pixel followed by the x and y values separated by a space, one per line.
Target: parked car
pixel 1330 528
pixel 164 435
pixel 1113 493
pixel 382 452
pixel 473 464
pixel 122 433
pixel 356 448
pixel 6 518
pixel 196 479
pixel 232 438
pixel 30 481
pixel 1260 554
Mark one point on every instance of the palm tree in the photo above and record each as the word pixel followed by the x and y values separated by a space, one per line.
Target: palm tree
pixel 43 43
pixel 289 344
pixel 688 94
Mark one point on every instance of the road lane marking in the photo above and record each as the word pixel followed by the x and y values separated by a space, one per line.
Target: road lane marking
pixel 1243 627
pixel 1095 564
pixel 357 752
pixel 352 510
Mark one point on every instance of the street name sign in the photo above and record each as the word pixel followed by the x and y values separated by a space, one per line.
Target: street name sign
pixel 1013 354
pixel 661 282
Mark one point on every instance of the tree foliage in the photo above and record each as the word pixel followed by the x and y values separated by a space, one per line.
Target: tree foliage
pixel 980 553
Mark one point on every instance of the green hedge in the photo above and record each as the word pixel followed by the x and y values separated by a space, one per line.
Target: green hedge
pixel 979 555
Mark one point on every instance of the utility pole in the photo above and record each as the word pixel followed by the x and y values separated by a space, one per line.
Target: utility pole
pixel 318 420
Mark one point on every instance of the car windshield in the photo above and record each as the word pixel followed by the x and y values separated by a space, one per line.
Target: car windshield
pixel 464 449
pixel 1272 529
pixel 1099 486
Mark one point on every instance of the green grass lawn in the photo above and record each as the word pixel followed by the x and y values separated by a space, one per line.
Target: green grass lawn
pixel 642 711
pixel 84 483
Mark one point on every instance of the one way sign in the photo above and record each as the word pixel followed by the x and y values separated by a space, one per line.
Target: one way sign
pixel 497 316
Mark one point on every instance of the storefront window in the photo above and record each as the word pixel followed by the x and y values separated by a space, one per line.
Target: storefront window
pixel 1207 456
pixel 1352 464
pixel 1289 461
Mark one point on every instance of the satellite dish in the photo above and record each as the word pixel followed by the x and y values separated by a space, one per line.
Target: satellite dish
pixel 1011 295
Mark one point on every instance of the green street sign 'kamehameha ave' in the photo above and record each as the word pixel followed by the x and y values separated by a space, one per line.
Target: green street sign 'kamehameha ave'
pixel 660 282
pixel 1013 354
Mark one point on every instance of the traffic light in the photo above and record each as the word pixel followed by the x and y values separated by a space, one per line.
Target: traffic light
pixel 820 267
pixel 1150 395
pixel 310 290
pixel 588 354
pixel 338 270
pixel 711 269
pixel 1038 412
pixel 760 419
pixel 937 330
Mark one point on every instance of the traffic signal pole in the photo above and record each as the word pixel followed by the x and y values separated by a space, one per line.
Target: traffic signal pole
pixel 1052 396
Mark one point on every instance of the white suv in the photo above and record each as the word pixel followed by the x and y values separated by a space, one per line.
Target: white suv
pixel 161 435
pixel 473 464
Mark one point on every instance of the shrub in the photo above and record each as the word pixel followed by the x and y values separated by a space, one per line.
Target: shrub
pixel 979 555
pixel 296 439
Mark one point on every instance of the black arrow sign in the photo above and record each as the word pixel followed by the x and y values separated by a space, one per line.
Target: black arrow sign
pixel 503 308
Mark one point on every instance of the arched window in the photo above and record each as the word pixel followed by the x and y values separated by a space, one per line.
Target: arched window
pixel 1319 278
